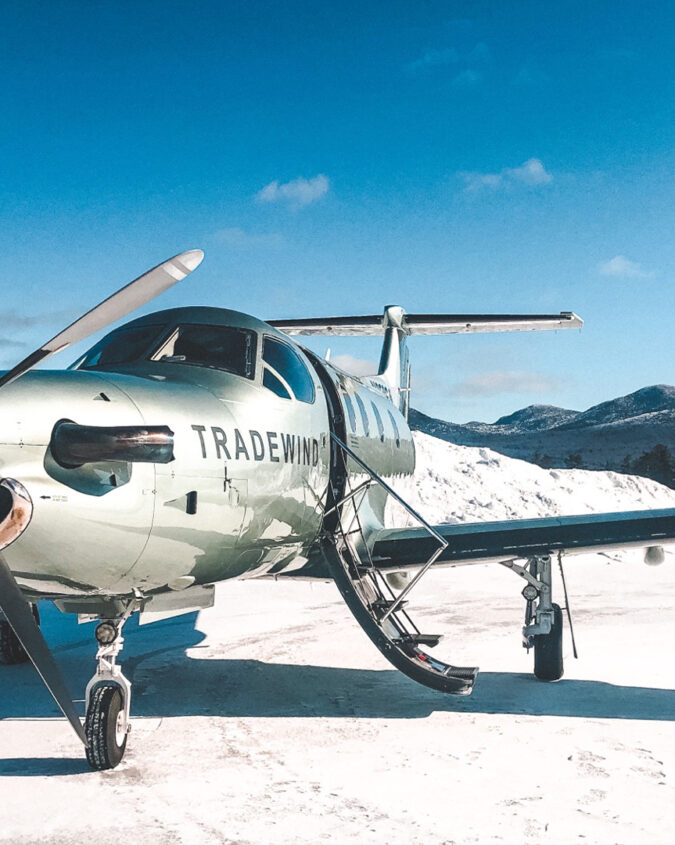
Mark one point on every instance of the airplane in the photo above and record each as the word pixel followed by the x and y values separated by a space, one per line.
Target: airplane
pixel 195 445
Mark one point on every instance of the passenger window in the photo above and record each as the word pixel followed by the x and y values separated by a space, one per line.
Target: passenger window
pixel 378 420
pixel 284 362
pixel 395 427
pixel 349 405
pixel 364 415
pixel 274 384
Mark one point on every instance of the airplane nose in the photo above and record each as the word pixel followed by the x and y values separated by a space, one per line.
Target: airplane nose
pixel 16 510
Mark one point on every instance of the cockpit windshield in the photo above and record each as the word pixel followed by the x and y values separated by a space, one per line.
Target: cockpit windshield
pixel 120 347
pixel 219 347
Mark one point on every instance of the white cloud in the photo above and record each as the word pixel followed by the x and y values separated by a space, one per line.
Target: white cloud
pixel 10 319
pixel 467 78
pixel 297 193
pixel 238 238
pixel 355 366
pixel 622 266
pixel 434 58
pixel 532 173
pixel 507 381
pixel 479 55
pixel 8 343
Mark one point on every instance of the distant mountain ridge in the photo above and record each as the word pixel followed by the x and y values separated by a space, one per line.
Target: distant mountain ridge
pixel 611 435
pixel 647 400
pixel 536 418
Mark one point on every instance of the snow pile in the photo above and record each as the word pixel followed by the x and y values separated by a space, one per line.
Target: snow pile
pixel 466 484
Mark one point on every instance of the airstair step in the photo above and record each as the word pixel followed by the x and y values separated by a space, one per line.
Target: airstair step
pixel 466 672
pixel 429 640
pixel 381 606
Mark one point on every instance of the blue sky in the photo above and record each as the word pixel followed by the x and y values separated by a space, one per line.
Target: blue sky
pixel 331 158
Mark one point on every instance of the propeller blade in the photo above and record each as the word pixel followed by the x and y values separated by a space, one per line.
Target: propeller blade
pixel 127 299
pixel 20 616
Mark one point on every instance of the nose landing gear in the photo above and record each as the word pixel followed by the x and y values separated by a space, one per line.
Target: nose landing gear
pixel 108 699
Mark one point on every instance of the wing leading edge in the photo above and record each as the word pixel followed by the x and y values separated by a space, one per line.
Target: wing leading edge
pixel 491 542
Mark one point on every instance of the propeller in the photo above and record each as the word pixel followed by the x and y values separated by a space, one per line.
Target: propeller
pixel 13 603
pixel 127 299
pixel 20 616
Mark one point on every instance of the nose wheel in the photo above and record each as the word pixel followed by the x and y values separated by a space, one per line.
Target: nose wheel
pixel 108 699
pixel 106 727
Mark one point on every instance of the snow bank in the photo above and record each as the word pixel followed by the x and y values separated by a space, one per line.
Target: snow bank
pixel 466 484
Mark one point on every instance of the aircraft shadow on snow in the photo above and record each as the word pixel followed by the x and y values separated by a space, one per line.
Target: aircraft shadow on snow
pixel 174 684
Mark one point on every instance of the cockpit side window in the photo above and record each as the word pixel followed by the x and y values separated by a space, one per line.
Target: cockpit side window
pixel 271 382
pixel 130 343
pixel 217 347
pixel 285 368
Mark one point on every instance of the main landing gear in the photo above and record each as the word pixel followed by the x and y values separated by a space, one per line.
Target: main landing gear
pixel 11 650
pixel 108 699
pixel 543 629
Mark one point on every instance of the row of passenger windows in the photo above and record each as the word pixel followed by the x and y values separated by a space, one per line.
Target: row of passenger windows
pixel 365 422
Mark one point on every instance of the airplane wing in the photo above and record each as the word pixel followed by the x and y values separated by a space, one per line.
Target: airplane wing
pixel 490 542
pixel 382 615
pixel 414 324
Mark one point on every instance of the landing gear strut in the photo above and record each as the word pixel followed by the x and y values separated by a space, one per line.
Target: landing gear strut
pixel 108 699
pixel 543 619
pixel 11 650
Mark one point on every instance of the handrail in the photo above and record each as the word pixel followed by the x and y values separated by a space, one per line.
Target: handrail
pixel 383 484
pixel 443 543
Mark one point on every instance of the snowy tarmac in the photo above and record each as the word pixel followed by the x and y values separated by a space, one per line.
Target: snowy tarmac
pixel 271 718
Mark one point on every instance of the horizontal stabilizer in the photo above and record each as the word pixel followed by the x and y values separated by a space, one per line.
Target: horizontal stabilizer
pixel 414 324
pixel 485 542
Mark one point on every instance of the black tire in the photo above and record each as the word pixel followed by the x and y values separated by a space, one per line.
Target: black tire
pixel 548 650
pixel 11 650
pixel 106 746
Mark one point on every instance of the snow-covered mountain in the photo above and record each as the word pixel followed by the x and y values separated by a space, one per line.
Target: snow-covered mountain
pixel 611 435
pixel 659 399
pixel 535 418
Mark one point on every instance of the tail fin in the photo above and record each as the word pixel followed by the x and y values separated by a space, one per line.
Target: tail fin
pixel 397 325
pixel 394 367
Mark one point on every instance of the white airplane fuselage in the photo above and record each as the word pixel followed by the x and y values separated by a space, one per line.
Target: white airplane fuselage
pixel 245 492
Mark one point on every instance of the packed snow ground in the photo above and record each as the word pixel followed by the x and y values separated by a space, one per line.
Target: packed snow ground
pixel 272 718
